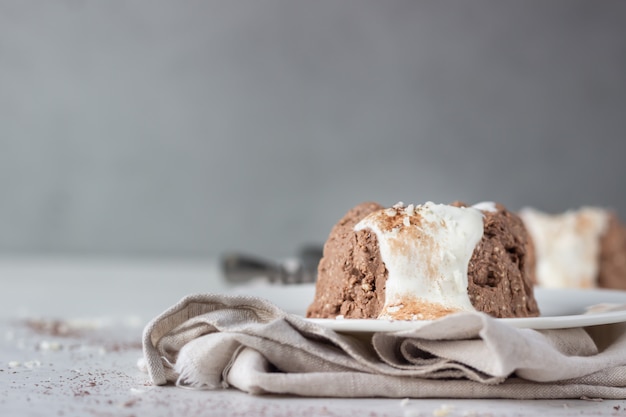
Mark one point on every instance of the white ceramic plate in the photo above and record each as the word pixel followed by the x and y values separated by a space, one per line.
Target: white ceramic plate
pixel 560 309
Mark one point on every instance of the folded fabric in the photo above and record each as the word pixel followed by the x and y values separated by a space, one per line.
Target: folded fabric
pixel 212 341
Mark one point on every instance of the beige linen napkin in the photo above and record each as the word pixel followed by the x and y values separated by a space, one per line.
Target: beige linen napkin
pixel 215 341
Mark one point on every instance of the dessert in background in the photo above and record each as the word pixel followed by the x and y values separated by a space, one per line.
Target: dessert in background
pixel 423 262
pixel 584 248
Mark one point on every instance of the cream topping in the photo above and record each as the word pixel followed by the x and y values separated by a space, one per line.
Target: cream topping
pixel 486 206
pixel 567 245
pixel 426 249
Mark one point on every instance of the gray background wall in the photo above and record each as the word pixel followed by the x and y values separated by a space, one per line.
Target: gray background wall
pixel 187 128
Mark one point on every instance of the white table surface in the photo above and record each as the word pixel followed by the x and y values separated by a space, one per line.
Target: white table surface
pixel 70 334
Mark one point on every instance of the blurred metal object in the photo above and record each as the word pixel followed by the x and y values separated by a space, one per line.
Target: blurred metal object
pixel 240 268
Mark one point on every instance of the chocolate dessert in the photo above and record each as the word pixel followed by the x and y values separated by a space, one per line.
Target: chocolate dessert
pixel 583 248
pixel 423 262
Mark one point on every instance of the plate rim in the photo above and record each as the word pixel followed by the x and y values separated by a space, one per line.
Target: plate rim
pixel 344 325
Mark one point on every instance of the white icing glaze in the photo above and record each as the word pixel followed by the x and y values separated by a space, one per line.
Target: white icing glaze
pixel 426 250
pixel 567 245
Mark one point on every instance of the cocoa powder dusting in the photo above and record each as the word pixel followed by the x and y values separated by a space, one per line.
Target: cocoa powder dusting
pixel 395 218
pixel 415 308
